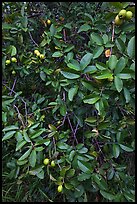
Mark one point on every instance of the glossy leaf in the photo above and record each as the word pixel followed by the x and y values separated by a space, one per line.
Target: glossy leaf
pixel 20 144
pixel 26 154
pixel 85 166
pixel 116 150
pixel 73 64
pixel 120 65
pixel 85 60
pixel 57 54
pixel 120 45
pixel 72 92
pixel 8 135
pixel 112 62
pixel 97 38
pixel 70 75
pixel 84 27
pixel 91 100
pixel 107 195
pixel 131 47
pixel 127 95
pixel 37 134
pixel 127 149
pixel 97 52
pixel 11 127
pixel 32 158
pixel 118 83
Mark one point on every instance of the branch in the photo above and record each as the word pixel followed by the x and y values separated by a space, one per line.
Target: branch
pixel 13 86
pixel 32 39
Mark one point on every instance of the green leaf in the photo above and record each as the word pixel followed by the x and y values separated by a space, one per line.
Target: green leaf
pixel 118 83
pixel 97 38
pixel 57 54
pixel 52 30
pixel 97 52
pixel 131 48
pixel 112 62
pixel 62 145
pixel 8 135
pixel 13 51
pixel 124 76
pixel 70 75
pixel 83 150
pixel 116 150
pixel 73 64
pixel 84 27
pixel 26 154
pixel 120 45
pixel 69 48
pixel 26 137
pixel 90 69
pixel 11 127
pixel 36 170
pixel 127 95
pixel 105 74
pixel 70 173
pixel 32 158
pixel 72 92
pixel 127 149
pixel 71 155
pixel 91 99
pixel 85 60
pixel 22 162
pixel 87 85
pixel 101 66
pixel 105 38
pixel 40 174
pixel 107 195
pixel 85 166
pixel 42 75
pixel 110 173
pixel 83 177
pixel 91 119
pixel 120 65
pixel 20 144
pixel 37 133
pixel 63 110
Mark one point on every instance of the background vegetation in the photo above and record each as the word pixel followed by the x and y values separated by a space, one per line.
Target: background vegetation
pixel 73 104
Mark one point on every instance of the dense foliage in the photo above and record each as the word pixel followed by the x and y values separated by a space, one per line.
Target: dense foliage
pixel 68 108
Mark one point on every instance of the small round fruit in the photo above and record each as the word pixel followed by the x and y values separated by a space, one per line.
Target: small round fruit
pixel 13 72
pixel 110 78
pixel 60 187
pixel 8 62
pixel 52 163
pixel 129 15
pixel 36 51
pixel 122 14
pixel 118 21
pixel 42 56
pixel 46 161
pixel 13 59
pixel 48 22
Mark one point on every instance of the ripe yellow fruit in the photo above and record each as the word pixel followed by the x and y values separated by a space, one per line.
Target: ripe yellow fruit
pixel 48 22
pixel 122 14
pixel 46 161
pixel 8 62
pixel 42 56
pixel 118 21
pixel 36 51
pixel 60 187
pixel 129 15
pixel 52 163
pixel 13 59
pixel 13 72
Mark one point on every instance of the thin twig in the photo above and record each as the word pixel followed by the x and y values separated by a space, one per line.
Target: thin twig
pixel 32 39
pixel 72 130
pixel 19 116
pixel 62 122
pixel 13 86
pixel 113 32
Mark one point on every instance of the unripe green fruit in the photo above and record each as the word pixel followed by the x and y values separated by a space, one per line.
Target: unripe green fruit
pixel 52 164
pixel 60 187
pixel 8 62
pixel 46 161
pixel 118 21
pixel 122 14
pixel 129 15
pixel 13 59
pixel 110 78
pixel 48 22
pixel 42 56
pixel 13 72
